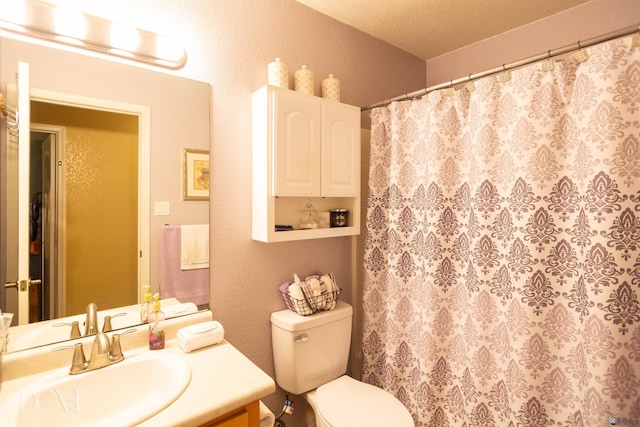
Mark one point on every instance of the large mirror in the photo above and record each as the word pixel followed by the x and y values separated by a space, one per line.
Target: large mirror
pixel 107 148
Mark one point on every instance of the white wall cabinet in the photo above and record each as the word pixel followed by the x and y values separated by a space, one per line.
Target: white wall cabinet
pixel 304 147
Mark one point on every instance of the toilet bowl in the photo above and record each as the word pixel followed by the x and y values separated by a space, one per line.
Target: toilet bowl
pixel 346 402
pixel 310 355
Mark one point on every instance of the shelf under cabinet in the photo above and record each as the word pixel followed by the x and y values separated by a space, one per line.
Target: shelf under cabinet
pixel 318 233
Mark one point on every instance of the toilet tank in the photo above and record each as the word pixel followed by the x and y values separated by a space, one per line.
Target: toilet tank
pixel 309 351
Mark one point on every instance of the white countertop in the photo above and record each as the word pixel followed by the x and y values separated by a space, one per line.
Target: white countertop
pixel 222 378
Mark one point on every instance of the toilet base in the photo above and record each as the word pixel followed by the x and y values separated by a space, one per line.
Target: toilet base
pixel 312 417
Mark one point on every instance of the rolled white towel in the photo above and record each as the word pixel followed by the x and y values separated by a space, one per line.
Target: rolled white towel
pixel 313 290
pixel 329 284
pixel 296 295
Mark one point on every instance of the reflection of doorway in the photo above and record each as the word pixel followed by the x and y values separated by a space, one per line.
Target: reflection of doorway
pixel 99 230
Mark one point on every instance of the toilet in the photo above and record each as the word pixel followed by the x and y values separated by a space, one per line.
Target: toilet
pixel 310 355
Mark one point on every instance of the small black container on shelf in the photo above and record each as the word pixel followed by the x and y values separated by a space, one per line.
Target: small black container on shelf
pixel 339 217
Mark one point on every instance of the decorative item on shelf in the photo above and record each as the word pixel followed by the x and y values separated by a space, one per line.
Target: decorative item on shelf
pixel 303 80
pixel 324 219
pixel 308 217
pixel 339 217
pixel 331 88
pixel 278 74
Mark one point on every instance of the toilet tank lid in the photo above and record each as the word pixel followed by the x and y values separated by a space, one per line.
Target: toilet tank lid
pixel 291 321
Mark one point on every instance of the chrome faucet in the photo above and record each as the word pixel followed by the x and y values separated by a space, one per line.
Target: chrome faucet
pixel 103 353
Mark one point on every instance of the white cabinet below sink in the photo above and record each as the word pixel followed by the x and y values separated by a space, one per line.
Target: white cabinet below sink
pixel 247 416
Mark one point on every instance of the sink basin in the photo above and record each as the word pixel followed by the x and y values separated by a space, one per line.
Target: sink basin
pixel 47 333
pixel 123 394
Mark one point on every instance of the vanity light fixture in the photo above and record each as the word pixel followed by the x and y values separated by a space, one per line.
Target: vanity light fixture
pixel 60 24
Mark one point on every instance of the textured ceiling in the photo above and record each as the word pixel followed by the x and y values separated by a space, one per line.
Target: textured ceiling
pixel 429 28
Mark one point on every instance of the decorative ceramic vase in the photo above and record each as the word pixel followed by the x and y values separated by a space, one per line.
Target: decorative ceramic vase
pixel 331 88
pixel 278 74
pixel 303 80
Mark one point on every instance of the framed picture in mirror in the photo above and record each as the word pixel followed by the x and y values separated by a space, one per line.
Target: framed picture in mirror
pixel 195 174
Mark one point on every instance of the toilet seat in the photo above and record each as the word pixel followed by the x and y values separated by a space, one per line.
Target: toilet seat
pixel 346 402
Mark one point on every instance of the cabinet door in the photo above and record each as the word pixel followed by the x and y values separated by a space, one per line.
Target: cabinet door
pixel 238 420
pixel 340 150
pixel 296 145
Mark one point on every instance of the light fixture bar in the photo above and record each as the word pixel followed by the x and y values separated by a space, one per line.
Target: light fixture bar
pixel 58 24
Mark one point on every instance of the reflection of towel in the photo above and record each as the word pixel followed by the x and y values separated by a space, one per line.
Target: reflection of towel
pixel 184 285
pixel 194 252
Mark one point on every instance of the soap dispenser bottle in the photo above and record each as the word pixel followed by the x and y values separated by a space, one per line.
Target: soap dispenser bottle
pixel 156 326
pixel 145 309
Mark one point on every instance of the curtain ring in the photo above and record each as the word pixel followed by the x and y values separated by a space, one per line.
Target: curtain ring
pixel 549 54
pixel 469 77
pixel 579 47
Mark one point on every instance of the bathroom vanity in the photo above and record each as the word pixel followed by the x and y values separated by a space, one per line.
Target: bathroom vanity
pixel 224 388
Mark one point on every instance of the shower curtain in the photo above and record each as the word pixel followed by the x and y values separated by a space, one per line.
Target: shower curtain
pixel 502 254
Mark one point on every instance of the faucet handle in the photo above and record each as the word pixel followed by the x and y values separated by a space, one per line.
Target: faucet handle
pixel 78 356
pixel 116 349
pixel 75 328
pixel 79 362
pixel 107 322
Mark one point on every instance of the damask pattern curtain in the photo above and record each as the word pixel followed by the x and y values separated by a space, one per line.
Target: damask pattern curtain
pixel 502 255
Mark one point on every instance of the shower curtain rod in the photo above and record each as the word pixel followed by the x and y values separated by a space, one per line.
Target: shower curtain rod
pixel 546 55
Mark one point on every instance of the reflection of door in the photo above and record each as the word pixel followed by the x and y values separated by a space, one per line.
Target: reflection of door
pixel 20 149
pixel 47 218
pixel 47 300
